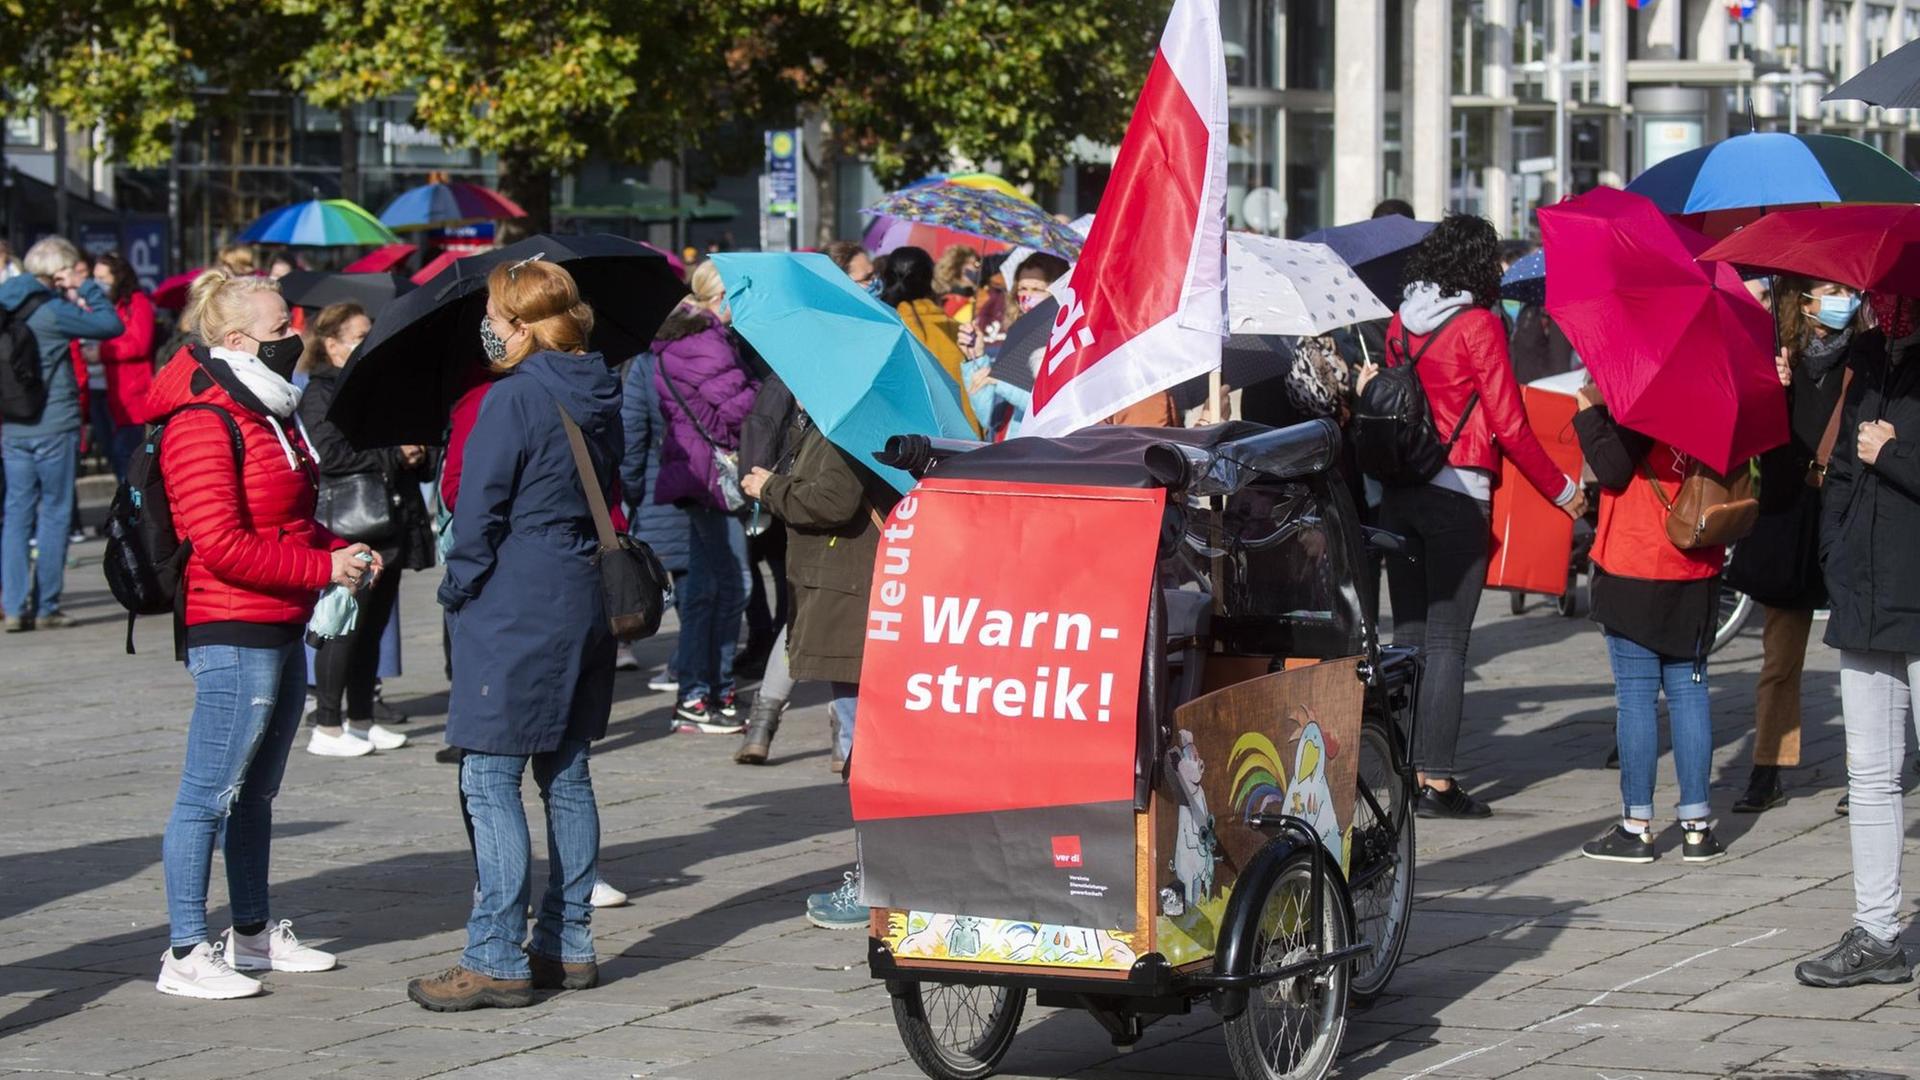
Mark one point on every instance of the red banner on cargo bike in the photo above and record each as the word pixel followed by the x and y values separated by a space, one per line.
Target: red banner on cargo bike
pixel 997 726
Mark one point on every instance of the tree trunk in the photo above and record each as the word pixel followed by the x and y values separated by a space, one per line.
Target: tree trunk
pixel 826 177
pixel 532 187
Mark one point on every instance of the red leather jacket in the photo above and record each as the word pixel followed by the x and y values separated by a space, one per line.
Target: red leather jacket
pixel 1471 355
pixel 258 555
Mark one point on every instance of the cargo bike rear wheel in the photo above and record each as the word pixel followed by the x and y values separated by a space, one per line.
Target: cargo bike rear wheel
pixel 957 1032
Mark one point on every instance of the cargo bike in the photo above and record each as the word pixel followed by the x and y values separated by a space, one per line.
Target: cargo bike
pixel 1250 843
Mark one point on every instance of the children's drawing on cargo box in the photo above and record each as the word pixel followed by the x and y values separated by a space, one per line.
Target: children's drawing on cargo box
pixel 1193 849
pixel 1010 941
pixel 1262 786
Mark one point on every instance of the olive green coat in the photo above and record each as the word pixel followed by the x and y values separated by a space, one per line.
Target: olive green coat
pixel 831 542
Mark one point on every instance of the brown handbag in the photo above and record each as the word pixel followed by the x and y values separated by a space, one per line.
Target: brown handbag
pixel 1710 509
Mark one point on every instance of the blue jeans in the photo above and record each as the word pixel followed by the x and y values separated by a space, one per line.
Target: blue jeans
pixel 502 853
pixel 845 696
pixel 40 472
pixel 1639 674
pixel 115 441
pixel 246 711
pixel 711 602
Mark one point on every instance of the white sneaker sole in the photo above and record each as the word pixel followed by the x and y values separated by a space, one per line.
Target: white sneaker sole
pixel 328 752
pixel 291 968
pixel 189 990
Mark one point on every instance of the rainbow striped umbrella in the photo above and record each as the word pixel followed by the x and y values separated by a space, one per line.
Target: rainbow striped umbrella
pixel 431 206
pixel 319 223
pixel 887 232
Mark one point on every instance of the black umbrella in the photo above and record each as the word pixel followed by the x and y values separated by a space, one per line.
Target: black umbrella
pixel 317 289
pixel 1377 249
pixel 425 349
pixel 1013 364
pixel 1892 82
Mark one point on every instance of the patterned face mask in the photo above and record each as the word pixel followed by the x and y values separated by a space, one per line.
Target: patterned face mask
pixel 491 343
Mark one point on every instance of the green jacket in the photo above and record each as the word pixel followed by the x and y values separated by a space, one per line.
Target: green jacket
pixel 832 538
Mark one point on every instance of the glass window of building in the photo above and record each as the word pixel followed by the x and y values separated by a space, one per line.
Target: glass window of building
pixel 1470 44
pixel 1251 32
pixel 1310 45
pixel 1309 187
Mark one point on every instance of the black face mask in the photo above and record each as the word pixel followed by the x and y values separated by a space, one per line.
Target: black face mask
pixel 282 356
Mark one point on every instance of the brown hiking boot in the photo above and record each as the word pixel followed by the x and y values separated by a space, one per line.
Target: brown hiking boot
pixel 551 974
pixel 458 989
pixel 763 720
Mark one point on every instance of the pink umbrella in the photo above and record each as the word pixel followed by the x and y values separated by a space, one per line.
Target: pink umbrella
pixel 172 293
pixel 1680 349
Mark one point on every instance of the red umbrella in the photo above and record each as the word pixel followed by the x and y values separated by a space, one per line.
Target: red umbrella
pixel 440 262
pixel 172 293
pixel 1680 349
pixel 1867 247
pixel 380 259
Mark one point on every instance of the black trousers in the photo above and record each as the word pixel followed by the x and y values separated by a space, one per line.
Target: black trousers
pixel 1434 601
pixel 347 666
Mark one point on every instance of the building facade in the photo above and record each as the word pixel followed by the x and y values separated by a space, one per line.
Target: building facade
pixel 1495 106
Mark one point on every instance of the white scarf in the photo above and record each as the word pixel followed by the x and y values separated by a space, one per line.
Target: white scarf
pixel 278 395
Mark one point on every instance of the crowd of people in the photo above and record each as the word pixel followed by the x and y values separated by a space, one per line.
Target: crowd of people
pixel 769 532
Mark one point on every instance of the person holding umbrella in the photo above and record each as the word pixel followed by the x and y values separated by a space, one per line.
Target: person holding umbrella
pixel 1449 322
pixel 530 691
pixel 1869 515
pixel 906 285
pixel 346 666
pixel 1822 324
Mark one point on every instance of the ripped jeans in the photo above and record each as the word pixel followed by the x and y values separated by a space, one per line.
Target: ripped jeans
pixel 246 712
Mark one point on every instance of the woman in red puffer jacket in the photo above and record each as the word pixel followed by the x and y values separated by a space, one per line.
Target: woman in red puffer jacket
pixel 257 564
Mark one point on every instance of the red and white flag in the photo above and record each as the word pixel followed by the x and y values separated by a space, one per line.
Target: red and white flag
pixel 1146 307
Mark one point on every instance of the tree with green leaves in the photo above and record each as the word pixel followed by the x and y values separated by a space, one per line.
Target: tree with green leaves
pixel 131 67
pixel 911 84
pixel 542 83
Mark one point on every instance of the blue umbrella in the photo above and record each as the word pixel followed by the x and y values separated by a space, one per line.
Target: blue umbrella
pixel 849 361
pixel 1775 169
pixel 1526 280
pixel 1377 249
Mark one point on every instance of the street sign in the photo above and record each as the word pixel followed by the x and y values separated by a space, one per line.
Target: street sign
pixel 774 230
pixel 1534 165
pixel 144 242
pixel 783 173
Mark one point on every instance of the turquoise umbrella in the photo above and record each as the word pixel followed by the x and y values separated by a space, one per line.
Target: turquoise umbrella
pixel 319 223
pixel 849 361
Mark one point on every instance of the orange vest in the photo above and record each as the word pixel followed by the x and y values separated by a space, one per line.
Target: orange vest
pixel 1631 540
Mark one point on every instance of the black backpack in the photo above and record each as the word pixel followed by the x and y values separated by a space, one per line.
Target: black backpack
pixel 1394 438
pixel 23 385
pixel 145 557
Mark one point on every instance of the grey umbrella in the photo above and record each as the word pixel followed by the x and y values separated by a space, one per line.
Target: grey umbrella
pixel 1893 82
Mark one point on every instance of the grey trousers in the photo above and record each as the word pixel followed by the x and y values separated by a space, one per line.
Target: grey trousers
pixel 777 683
pixel 1876 694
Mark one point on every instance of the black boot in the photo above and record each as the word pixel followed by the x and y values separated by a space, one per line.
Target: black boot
pixel 763 719
pixel 1763 791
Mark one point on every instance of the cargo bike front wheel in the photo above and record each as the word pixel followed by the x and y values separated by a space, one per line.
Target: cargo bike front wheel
pixel 957 1032
pixel 1292 1025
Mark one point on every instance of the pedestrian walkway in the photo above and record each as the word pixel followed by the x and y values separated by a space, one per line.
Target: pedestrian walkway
pixel 1524 961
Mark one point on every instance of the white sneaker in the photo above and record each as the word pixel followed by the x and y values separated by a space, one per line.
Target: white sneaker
pixel 624 660
pixel 605 895
pixel 275 949
pixel 204 973
pixel 666 682
pixel 381 738
pixel 341 745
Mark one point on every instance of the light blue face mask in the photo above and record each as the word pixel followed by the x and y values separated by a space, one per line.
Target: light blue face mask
pixel 1511 307
pixel 1836 311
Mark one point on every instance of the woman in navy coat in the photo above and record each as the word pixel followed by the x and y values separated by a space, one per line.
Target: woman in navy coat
pixel 532 652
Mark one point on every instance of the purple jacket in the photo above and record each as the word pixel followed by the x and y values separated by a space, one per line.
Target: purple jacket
pixel 697 367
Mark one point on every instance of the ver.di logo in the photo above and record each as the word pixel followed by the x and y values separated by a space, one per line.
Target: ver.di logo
pixel 1066 851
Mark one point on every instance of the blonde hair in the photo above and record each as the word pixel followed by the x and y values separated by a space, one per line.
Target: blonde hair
pixel 217 304
pixel 326 327
pixel 704 286
pixel 237 259
pixel 49 256
pixel 543 298
pixel 949 274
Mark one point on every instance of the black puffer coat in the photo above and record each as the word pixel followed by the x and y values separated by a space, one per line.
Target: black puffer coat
pixel 411 546
pixel 1871 513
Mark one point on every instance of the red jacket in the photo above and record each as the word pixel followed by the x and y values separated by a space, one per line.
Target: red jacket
pixel 1471 355
pixel 258 555
pixel 1631 537
pixel 129 362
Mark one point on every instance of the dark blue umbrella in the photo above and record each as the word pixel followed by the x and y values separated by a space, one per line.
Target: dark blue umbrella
pixel 1377 249
pixel 1526 280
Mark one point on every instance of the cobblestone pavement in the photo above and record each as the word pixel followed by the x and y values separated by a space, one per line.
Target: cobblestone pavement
pixel 1525 961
